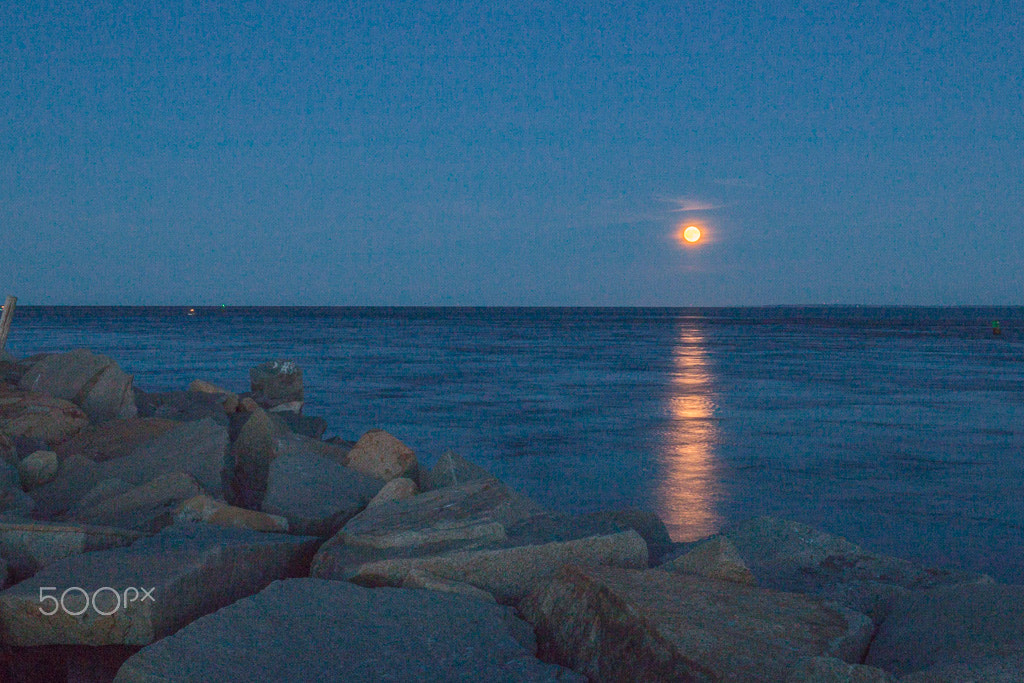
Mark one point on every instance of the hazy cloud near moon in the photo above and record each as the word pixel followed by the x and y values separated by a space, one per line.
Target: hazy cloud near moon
pixel 684 205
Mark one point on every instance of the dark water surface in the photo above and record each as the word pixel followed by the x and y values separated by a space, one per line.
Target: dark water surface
pixel 899 428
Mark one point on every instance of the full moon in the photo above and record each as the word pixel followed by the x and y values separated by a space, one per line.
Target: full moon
pixel 691 234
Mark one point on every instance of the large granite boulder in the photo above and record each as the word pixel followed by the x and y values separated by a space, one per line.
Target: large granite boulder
pixel 620 624
pixel 479 533
pixel 381 455
pixel 316 495
pixel 247 465
pixel 94 382
pixel 197 448
pixel 28 546
pixel 114 438
pixel 791 556
pixel 148 507
pixel 454 517
pixel 969 629
pixel 148 590
pixel 277 386
pixel 334 631
pixel 509 572
pixel 34 415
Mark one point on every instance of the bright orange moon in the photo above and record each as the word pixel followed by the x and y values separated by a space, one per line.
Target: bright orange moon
pixel 691 234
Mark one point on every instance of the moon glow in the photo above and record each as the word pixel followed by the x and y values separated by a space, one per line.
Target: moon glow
pixel 691 234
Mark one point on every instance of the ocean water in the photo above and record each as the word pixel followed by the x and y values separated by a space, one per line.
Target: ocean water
pixel 899 428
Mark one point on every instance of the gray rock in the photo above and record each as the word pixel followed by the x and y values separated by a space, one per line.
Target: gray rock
pixel 508 572
pixel 316 495
pixel 277 384
pixel 451 469
pixel 454 517
pixel 8 451
pixel 76 476
pixel 197 448
pixel 110 396
pixel 620 624
pixel 64 375
pixel 247 465
pixel 967 625
pixel 38 468
pixel 303 425
pixel 148 507
pixel 114 438
pixel 716 559
pixel 417 578
pixel 190 570
pixel 94 382
pixel 38 416
pixel 334 631
pixel 29 546
pixel 107 488
pixel 289 443
pixel 13 501
pixel 645 523
pixel 977 670
pixel 832 670
pixel 181 406
pixel 790 556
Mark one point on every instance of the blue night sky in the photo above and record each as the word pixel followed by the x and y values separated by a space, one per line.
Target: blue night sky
pixel 466 153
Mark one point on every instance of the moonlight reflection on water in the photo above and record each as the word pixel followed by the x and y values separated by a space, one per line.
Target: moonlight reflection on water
pixel 689 489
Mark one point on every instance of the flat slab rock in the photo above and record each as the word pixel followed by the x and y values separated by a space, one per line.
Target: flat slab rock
pixel 316 495
pixel 190 570
pixel 479 533
pixel 968 629
pixel 335 631
pixel 29 546
pixel 621 624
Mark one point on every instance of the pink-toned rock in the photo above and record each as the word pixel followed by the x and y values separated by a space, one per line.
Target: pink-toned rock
pixel 381 455
pixel 37 416
pixel 229 400
pixel 206 509
pixel 396 489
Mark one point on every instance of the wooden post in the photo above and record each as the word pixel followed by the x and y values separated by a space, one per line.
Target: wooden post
pixel 5 320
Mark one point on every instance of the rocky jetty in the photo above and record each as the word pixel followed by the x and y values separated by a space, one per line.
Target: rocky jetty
pixel 201 534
